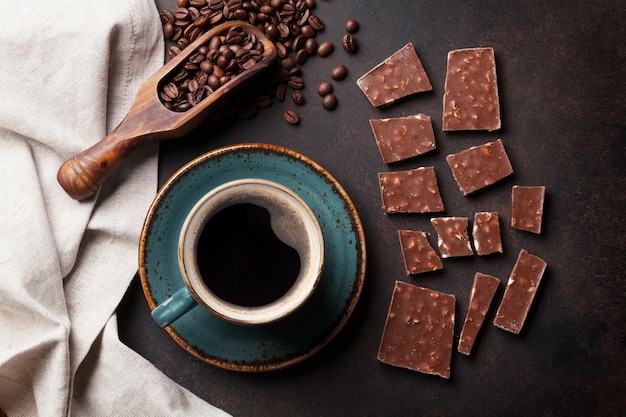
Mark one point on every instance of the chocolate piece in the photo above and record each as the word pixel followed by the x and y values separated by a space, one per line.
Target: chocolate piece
pixel 412 191
pixel 480 166
pixel 483 290
pixel 470 101
pixel 486 233
pixel 418 255
pixel 520 292
pixel 419 330
pixel 403 137
pixel 452 237
pixel 398 76
pixel 527 207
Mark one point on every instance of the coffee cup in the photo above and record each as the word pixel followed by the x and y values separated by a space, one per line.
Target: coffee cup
pixel 250 251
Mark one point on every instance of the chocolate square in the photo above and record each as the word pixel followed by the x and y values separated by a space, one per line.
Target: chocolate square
pixel 527 207
pixel 480 166
pixel 398 76
pixel 452 237
pixel 520 292
pixel 417 253
pixel 419 330
pixel 483 290
pixel 403 137
pixel 470 100
pixel 486 233
pixel 412 191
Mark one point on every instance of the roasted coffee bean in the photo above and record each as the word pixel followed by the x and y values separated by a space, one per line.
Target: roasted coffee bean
pixel 281 90
pixel 308 31
pixel 352 26
pixel 316 23
pixel 338 72
pixel 348 42
pixel 297 83
pixel 297 97
pixel 324 88
pixel 301 57
pixel 310 45
pixel 168 30
pixel 291 117
pixel 329 102
pixel 325 48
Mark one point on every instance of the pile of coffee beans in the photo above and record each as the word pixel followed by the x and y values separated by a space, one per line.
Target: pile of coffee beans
pixel 290 24
pixel 210 67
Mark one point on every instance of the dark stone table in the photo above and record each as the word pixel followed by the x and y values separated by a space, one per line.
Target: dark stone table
pixel 562 79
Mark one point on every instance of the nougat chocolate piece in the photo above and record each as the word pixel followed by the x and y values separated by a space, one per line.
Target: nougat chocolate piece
pixel 520 292
pixel 398 76
pixel 401 138
pixel 480 166
pixel 419 256
pixel 527 207
pixel 483 290
pixel 419 330
pixel 452 237
pixel 470 100
pixel 412 191
pixel 486 233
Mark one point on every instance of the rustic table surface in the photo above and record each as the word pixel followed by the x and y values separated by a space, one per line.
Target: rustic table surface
pixel 561 69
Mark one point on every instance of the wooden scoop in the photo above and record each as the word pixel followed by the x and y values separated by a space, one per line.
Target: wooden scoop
pixel 149 121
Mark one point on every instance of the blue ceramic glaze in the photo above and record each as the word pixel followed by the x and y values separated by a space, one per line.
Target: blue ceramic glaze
pixel 258 347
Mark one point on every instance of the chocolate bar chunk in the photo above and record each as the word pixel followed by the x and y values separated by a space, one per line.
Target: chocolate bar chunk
pixel 418 255
pixel 398 76
pixel 403 137
pixel 480 166
pixel 486 233
pixel 527 207
pixel 520 292
pixel 452 237
pixel 470 101
pixel 419 330
pixel 483 290
pixel 412 191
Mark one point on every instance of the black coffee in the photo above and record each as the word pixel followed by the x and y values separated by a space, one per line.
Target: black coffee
pixel 242 260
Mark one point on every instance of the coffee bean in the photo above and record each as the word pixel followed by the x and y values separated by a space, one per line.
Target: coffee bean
pixel 297 83
pixel 297 97
pixel 302 56
pixel 338 72
pixel 280 92
pixel 352 25
pixel 329 102
pixel 325 88
pixel 310 45
pixel 316 23
pixel 291 117
pixel 348 42
pixel 325 48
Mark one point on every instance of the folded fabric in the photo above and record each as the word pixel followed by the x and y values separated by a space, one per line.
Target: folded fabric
pixel 69 71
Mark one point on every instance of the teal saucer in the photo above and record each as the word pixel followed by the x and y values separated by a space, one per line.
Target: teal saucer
pixel 292 339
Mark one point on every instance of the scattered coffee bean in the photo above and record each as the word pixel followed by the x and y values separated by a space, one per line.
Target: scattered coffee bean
pixel 281 90
pixel 352 26
pixel 348 42
pixel 297 97
pixel 338 72
pixel 325 48
pixel 316 23
pixel 329 102
pixel 291 117
pixel 325 88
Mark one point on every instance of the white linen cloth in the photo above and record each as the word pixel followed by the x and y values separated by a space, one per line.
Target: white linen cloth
pixel 69 70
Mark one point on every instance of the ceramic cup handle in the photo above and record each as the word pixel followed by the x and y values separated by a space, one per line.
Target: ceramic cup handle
pixel 174 307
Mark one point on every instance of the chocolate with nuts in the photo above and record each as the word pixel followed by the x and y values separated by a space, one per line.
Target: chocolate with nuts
pixel 483 290
pixel 419 256
pixel 486 233
pixel 419 330
pixel 412 191
pixel 527 207
pixel 452 237
pixel 398 76
pixel 470 100
pixel 403 137
pixel 480 166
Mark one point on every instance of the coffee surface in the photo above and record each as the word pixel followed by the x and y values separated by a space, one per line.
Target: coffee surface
pixel 242 260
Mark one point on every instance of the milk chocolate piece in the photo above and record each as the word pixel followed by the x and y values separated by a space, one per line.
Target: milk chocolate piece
pixel 418 255
pixel 403 137
pixel 470 101
pixel 480 166
pixel 527 207
pixel 398 76
pixel 486 233
pixel 412 191
pixel 483 290
pixel 419 330
pixel 452 237
pixel 520 292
